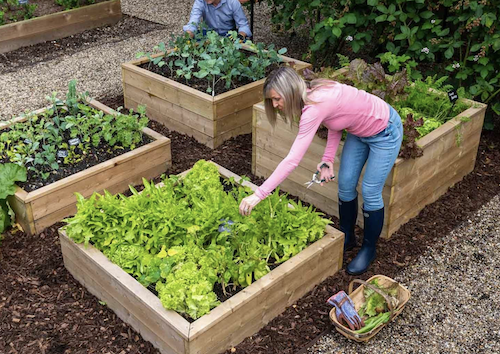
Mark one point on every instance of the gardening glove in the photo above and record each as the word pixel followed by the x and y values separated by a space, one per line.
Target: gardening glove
pixel 248 203
pixel 345 310
pixel 325 169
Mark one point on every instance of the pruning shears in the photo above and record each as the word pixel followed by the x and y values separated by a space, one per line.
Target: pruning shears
pixel 315 179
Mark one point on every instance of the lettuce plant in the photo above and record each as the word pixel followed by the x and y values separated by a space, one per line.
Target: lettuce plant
pixel 171 236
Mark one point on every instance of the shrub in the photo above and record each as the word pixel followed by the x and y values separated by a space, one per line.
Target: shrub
pixel 459 36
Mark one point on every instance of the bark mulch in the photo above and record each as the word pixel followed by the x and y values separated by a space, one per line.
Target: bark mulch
pixel 44 310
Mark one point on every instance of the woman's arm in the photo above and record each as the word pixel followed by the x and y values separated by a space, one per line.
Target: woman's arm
pixel 332 144
pixel 309 124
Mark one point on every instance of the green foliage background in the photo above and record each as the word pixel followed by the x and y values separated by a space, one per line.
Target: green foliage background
pixel 459 37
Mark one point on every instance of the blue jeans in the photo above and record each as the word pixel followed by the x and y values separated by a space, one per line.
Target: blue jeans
pixel 379 152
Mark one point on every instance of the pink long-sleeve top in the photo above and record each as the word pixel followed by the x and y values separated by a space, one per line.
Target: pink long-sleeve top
pixel 337 107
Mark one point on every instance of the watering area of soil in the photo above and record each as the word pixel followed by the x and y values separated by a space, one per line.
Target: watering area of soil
pixel 446 255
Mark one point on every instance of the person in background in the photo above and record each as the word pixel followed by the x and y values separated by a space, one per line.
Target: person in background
pixel 221 16
pixel 375 133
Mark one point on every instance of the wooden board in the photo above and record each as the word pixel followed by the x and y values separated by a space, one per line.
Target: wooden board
pixel 132 302
pixel 45 206
pixel 449 154
pixel 211 120
pixel 58 25
pixel 225 326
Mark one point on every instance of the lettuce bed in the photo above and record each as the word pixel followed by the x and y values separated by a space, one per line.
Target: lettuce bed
pixel 187 235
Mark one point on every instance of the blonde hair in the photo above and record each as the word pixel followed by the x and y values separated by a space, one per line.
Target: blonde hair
pixel 293 89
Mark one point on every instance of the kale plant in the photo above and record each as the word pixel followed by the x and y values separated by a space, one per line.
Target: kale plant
pixel 214 58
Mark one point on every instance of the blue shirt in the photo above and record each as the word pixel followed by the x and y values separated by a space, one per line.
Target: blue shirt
pixel 224 17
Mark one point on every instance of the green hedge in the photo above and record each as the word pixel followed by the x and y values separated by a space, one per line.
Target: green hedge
pixel 461 37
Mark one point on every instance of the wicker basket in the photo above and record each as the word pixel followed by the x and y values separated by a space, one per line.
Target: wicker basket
pixel 395 305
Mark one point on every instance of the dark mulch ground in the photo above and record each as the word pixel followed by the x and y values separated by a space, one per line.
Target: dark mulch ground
pixel 127 27
pixel 44 310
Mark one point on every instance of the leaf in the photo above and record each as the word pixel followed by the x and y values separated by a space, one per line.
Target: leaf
pixel 350 18
pixel 449 53
pixel 9 174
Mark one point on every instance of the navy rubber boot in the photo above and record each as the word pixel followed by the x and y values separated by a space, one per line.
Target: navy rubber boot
pixel 348 213
pixel 374 221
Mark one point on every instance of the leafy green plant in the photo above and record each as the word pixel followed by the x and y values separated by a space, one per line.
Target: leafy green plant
pixel 462 37
pixel 12 11
pixel 69 126
pixel 9 175
pixel 213 58
pixel 71 4
pixel 178 237
pixel 422 104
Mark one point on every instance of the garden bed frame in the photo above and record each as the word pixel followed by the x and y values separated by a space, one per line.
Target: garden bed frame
pixel 210 120
pixel 45 206
pixel 449 155
pixel 226 325
pixel 58 25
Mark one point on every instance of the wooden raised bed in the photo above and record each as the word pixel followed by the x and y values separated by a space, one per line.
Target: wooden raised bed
pixel 58 25
pixel 225 326
pixel 210 120
pixel 47 205
pixel 449 155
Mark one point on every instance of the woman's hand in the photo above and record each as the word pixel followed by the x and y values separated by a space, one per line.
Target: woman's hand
pixel 248 203
pixel 324 172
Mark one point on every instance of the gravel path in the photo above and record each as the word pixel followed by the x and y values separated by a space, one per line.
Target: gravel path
pixel 455 298
pixel 97 67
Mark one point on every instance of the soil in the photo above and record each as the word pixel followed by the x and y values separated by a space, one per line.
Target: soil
pixel 44 310
pixel 43 7
pixel 127 27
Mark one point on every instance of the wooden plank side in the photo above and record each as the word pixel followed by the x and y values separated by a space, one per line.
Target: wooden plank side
pixel 169 90
pixel 238 99
pixel 233 121
pixel 22 209
pixel 117 187
pixel 58 25
pixel 168 111
pixel 424 173
pixel 270 295
pixel 416 199
pixel 123 294
pixel 428 198
pixel 173 124
pixel 100 179
pixel 447 141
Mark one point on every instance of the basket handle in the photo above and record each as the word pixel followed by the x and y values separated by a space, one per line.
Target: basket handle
pixel 391 302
